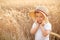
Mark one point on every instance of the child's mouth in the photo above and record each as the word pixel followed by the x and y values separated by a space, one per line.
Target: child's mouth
pixel 39 22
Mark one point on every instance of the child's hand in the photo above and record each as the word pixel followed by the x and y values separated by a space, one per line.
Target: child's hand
pixel 37 23
pixel 42 24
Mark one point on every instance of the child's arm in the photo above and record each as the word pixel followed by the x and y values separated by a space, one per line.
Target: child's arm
pixel 33 30
pixel 47 30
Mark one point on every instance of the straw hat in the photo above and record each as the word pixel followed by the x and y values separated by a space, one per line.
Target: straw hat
pixel 42 9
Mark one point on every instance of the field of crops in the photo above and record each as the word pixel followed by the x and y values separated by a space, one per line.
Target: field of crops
pixel 15 23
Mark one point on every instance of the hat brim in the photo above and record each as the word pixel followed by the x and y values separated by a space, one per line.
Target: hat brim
pixel 32 14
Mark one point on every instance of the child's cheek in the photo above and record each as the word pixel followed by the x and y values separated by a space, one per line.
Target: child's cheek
pixel 37 20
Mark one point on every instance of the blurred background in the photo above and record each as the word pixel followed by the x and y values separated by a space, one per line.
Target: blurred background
pixel 15 23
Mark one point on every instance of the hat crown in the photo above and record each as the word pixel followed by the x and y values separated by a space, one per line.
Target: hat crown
pixel 42 8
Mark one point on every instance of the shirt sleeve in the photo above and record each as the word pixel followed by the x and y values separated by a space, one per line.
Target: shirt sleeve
pixel 48 26
pixel 34 25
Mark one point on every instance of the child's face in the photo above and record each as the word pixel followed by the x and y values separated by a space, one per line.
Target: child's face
pixel 39 17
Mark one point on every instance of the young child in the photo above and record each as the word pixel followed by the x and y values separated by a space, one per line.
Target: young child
pixel 41 27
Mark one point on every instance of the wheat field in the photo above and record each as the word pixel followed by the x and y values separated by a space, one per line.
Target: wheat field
pixel 15 23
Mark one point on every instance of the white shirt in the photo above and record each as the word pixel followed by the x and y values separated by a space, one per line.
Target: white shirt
pixel 38 34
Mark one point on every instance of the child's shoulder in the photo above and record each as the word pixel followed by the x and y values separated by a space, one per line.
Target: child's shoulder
pixel 34 23
pixel 49 24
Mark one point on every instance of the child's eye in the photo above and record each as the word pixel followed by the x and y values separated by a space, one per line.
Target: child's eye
pixel 39 16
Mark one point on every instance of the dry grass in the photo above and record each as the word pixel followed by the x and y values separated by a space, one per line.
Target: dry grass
pixel 15 23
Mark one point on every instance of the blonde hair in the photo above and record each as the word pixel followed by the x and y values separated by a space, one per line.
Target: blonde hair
pixel 46 19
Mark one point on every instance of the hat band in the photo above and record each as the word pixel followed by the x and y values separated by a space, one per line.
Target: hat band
pixel 38 11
